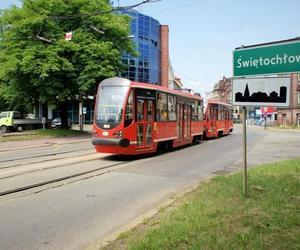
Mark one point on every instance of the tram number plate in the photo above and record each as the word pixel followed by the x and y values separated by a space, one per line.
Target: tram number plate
pixel 106 126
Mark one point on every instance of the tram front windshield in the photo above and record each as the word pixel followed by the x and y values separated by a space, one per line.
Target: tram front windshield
pixel 110 104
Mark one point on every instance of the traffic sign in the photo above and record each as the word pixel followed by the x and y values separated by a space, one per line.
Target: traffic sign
pixel 261 91
pixel 272 58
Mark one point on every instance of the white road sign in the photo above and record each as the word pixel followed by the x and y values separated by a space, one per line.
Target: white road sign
pixel 261 91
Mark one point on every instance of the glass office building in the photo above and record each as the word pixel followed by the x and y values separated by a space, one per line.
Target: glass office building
pixel 145 32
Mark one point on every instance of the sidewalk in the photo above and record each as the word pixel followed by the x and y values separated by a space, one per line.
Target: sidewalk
pixel 36 143
pixel 277 129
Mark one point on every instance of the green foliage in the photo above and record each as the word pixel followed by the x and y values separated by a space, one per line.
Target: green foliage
pixel 37 65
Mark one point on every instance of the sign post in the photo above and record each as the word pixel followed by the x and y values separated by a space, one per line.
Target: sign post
pixel 245 186
pixel 258 92
pixel 280 57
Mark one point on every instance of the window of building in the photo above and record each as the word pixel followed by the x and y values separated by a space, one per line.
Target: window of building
pixel 161 107
pixel 284 119
pixel 298 97
pixel 172 107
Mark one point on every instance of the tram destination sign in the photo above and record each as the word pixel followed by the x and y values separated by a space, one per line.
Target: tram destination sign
pixel 261 91
pixel 275 58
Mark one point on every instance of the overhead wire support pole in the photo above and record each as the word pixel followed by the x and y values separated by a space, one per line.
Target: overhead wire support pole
pixel 245 181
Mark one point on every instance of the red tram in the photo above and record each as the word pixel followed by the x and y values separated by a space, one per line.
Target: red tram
pixel 136 118
pixel 218 119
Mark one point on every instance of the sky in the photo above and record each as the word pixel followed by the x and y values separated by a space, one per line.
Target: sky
pixel 204 33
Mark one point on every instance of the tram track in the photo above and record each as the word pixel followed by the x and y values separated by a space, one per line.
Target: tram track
pixel 63 155
pixel 51 173
pixel 46 165
pixel 95 165
pixel 42 155
pixel 56 180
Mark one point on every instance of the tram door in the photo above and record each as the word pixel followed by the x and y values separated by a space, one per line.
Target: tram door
pixel 213 118
pixel 187 121
pixel 145 120
pixel 226 110
pixel 183 121
pixel 179 121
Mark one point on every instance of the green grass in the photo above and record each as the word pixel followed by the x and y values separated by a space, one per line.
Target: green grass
pixel 288 127
pixel 40 134
pixel 217 216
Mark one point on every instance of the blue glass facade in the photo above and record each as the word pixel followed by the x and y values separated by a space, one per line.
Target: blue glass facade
pixel 145 33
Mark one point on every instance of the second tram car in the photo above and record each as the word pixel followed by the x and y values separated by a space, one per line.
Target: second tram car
pixel 218 119
pixel 137 118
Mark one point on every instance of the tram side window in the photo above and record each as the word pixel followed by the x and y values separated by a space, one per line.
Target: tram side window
pixel 172 107
pixel 213 112
pixel 220 113
pixel 200 111
pixel 129 110
pixel 161 107
pixel 223 113
pixel 195 111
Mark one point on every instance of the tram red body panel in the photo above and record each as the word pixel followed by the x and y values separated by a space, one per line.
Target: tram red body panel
pixel 218 119
pixel 135 118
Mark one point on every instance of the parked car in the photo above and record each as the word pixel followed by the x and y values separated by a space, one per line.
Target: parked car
pixel 56 123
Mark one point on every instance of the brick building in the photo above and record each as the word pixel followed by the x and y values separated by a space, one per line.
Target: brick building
pixel 222 91
pixel 291 115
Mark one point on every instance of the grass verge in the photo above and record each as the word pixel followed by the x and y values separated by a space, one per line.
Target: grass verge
pixel 40 134
pixel 217 216
pixel 288 127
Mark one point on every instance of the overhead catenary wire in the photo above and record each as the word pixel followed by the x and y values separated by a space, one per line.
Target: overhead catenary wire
pixel 180 6
pixel 205 85
pixel 113 9
pixel 33 6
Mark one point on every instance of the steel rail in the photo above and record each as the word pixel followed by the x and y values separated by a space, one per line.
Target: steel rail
pixel 44 183
pixel 42 155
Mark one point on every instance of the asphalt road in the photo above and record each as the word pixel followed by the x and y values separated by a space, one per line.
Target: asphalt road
pixel 76 213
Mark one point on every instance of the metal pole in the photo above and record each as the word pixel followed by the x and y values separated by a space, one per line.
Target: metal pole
pixel 245 150
pixel 80 116
pixel 265 125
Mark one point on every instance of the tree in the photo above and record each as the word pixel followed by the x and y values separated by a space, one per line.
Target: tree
pixel 37 64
